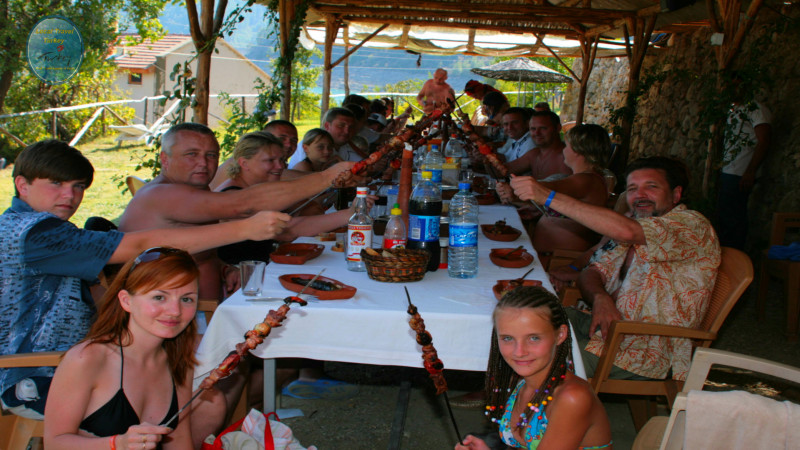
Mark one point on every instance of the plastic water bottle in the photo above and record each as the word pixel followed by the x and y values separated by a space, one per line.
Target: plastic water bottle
pixel 395 235
pixel 433 162
pixel 359 232
pixel 424 209
pixel 454 150
pixel 462 256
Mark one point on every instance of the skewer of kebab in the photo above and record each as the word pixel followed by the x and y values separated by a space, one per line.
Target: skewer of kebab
pixel 253 338
pixel 430 358
pixel 391 149
pixel 490 155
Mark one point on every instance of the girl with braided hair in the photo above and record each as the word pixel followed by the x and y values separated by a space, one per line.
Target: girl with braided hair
pixel 532 393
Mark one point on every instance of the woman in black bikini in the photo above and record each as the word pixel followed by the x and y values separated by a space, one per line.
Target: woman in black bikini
pixel 118 387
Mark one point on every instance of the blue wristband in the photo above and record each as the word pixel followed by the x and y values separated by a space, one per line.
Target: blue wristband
pixel 572 266
pixel 549 199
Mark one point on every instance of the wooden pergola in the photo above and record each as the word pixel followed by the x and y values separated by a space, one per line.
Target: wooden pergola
pixel 599 27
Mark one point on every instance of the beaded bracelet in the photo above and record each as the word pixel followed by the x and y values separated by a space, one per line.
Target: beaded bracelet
pixel 549 199
pixel 112 442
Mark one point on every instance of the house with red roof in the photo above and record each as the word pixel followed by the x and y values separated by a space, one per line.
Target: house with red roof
pixel 143 70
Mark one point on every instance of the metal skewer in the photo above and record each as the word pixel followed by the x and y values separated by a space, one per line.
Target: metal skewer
pixel 311 199
pixel 200 391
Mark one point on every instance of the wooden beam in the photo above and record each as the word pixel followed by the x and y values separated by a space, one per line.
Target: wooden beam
pixel 331 30
pixel 522 29
pixel 286 13
pixel 468 9
pixel 561 61
pixel 346 39
pixel 358 46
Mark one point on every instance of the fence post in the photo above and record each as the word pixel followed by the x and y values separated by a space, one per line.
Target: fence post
pixel 244 105
pixel 55 123
pixel 103 119
pixel 145 111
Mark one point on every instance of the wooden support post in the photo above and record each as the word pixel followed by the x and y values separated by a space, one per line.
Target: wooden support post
pixel 146 102
pixel 55 124
pixel 346 35
pixel 286 15
pixel 244 105
pixel 588 54
pixel 331 29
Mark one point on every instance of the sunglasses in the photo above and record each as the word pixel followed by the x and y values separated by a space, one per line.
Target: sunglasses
pixel 153 254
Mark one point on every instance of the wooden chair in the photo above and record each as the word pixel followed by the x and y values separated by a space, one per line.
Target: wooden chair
pixel 570 295
pixel 667 433
pixel 15 431
pixel 787 271
pixel 134 183
pixel 734 275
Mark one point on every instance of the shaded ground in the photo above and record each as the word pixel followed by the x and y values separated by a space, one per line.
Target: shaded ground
pixel 365 421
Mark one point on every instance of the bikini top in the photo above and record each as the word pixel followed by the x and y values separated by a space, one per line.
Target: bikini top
pixel 117 415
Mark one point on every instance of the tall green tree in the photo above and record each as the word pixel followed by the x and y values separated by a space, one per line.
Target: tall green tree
pixel 96 20
pixel 304 77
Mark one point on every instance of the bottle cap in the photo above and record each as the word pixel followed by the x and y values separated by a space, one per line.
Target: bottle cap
pixel 463 185
pixel 454 136
pixel 396 211
pixel 426 175
pixel 434 148
pixel 362 191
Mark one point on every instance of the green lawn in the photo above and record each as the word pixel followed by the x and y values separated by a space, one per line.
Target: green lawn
pixel 104 198
pixel 109 158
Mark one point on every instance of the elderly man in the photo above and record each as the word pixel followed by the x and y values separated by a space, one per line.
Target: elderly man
pixel 515 127
pixel 659 265
pixel 546 159
pixel 48 263
pixel 180 197
pixel 435 93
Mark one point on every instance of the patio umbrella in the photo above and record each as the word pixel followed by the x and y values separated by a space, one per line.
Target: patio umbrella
pixel 522 70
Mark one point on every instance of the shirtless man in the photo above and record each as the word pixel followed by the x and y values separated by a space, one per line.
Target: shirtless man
pixel 435 92
pixel 179 197
pixel 546 158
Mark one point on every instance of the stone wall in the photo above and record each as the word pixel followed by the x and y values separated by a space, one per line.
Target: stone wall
pixel 668 113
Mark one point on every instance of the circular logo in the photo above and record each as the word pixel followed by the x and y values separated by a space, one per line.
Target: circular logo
pixel 55 49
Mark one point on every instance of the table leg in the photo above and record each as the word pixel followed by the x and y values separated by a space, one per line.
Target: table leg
pixel 398 423
pixel 269 385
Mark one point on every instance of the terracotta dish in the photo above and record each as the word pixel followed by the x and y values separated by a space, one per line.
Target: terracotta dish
pixel 296 253
pixel 504 286
pixel 508 233
pixel 517 259
pixel 337 294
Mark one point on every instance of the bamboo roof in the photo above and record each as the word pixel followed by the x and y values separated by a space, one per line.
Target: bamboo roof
pixel 495 27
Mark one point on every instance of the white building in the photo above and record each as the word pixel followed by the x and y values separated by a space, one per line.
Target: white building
pixel 144 70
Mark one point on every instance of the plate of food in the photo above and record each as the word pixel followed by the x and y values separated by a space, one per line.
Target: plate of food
pixel 295 253
pixel 323 288
pixel 500 231
pixel 512 258
pixel 504 286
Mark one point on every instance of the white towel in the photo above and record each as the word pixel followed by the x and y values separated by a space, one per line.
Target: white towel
pixel 740 420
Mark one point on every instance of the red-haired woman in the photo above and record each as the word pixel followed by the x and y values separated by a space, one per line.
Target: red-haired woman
pixel 118 387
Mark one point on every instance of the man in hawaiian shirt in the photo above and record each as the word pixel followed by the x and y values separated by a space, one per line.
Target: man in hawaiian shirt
pixel 659 265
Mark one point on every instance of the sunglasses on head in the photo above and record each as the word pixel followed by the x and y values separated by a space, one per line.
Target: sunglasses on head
pixel 152 254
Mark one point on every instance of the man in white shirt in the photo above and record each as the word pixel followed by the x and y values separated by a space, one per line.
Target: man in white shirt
pixel 340 123
pixel 515 126
pixel 747 138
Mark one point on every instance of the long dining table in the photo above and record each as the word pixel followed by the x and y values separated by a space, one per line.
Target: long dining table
pixel 372 326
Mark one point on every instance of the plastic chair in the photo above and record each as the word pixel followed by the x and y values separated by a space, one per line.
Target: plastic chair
pixel 668 433
pixel 787 271
pixel 15 431
pixel 134 183
pixel 734 275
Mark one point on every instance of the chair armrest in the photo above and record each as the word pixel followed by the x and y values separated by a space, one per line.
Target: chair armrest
pixel 38 359
pixel 620 328
pixel 570 296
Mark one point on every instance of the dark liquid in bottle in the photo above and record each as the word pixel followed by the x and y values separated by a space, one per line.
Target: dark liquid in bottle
pixel 425 208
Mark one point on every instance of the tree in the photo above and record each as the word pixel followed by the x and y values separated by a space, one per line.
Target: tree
pixel 205 30
pixel 304 77
pixel 95 20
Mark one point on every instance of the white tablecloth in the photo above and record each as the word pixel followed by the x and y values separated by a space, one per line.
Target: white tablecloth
pixel 372 327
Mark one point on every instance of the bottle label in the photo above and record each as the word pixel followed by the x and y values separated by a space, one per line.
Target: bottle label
pixel 436 175
pixel 394 243
pixel 423 228
pixel 463 235
pixel 358 237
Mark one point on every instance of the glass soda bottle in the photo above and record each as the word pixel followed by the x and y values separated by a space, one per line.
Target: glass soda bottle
pixel 395 235
pixel 424 209
pixel 359 232
pixel 462 255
